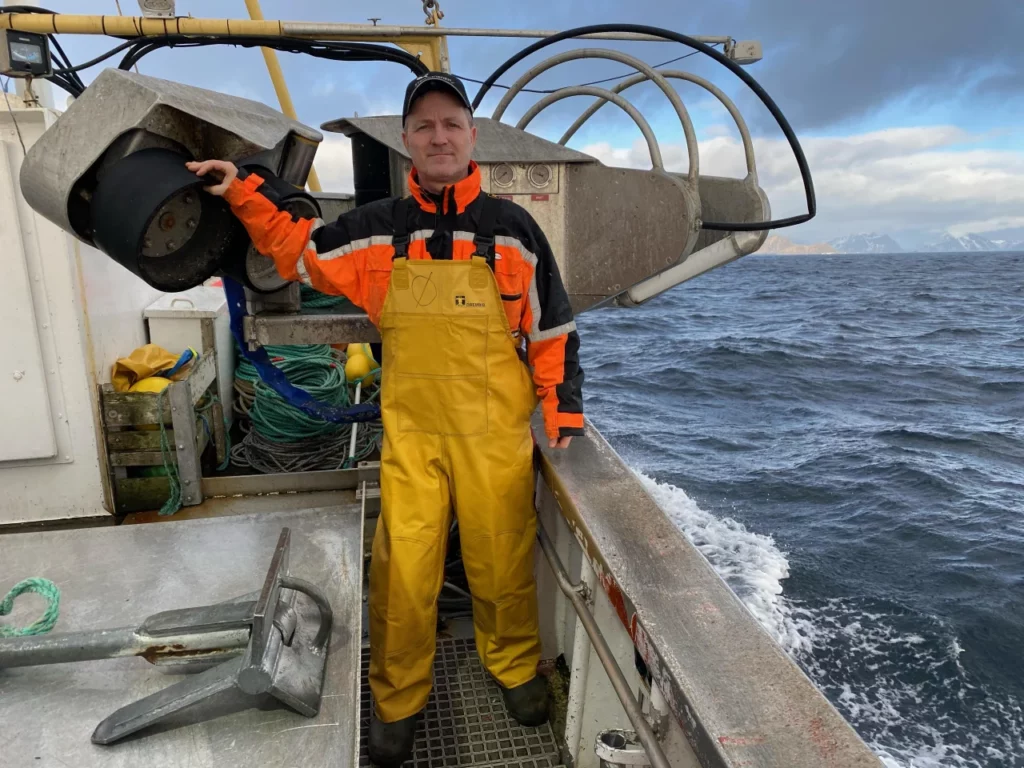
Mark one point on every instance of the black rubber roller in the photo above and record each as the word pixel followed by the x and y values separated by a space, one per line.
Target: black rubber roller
pixel 150 214
pixel 255 271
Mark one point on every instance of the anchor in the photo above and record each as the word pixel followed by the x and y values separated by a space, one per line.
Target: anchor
pixel 259 644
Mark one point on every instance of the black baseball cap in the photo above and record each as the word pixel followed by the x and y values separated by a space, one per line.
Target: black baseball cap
pixel 434 81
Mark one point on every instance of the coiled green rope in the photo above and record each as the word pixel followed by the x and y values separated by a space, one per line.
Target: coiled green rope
pixel 173 503
pixel 313 299
pixel 316 368
pixel 46 589
pixel 167 453
pixel 280 437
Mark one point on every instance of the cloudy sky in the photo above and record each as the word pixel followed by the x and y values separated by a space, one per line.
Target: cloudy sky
pixel 911 112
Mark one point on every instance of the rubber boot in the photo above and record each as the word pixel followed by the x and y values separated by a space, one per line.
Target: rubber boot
pixel 391 743
pixel 528 703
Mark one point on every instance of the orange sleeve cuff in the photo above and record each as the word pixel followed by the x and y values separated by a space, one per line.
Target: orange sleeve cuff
pixel 555 420
pixel 271 230
pixel 238 190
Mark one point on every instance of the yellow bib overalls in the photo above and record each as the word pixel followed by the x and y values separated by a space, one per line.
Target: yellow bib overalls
pixel 456 402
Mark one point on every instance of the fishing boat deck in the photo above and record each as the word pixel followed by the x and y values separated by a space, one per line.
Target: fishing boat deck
pixel 116 577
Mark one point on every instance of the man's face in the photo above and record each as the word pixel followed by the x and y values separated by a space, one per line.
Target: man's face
pixel 439 138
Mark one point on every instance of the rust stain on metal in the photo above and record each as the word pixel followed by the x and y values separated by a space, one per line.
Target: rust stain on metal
pixel 616 597
pixel 624 608
pixel 154 653
pixel 823 741
pixel 741 741
pixel 707 607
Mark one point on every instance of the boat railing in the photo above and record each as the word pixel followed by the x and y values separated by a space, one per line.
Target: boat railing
pixel 728 687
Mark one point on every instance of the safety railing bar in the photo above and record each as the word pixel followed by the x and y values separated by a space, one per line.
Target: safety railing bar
pixel 624 58
pixel 674 74
pixel 643 729
pixel 589 90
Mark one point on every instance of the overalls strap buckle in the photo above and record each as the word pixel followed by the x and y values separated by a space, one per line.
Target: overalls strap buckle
pixel 484 237
pixel 400 222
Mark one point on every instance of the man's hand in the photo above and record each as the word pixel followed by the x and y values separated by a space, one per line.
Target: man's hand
pixel 559 442
pixel 221 169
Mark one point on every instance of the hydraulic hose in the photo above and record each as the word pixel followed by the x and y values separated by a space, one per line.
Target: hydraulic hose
pixel 665 34
pixel 337 51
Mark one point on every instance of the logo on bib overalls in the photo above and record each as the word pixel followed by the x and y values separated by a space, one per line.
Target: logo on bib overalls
pixel 460 301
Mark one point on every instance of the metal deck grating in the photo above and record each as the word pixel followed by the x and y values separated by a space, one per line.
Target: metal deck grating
pixel 465 723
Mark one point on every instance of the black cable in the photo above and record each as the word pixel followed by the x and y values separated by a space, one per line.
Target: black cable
pixel 578 85
pixel 101 57
pixel 66 63
pixel 780 119
pixel 67 76
pixel 332 50
pixel 68 79
pixel 73 88
pixel 25 9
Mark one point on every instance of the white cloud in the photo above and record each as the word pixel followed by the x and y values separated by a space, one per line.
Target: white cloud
pixel 914 181
pixel 333 163
pixel 718 129
pixel 908 182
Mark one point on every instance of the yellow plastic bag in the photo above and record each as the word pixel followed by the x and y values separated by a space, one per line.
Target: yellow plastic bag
pixel 140 364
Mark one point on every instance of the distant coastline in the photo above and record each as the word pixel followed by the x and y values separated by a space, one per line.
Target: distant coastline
pixel 777 245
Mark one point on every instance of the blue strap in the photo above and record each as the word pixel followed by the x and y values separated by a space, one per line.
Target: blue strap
pixel 278 381
pixel 186 357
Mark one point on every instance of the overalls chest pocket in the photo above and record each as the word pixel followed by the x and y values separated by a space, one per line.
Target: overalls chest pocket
pixel 438 334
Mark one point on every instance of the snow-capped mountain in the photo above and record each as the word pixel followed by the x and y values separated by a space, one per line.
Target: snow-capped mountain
pixel 968 242
pixel 1009 245
pixel 869 242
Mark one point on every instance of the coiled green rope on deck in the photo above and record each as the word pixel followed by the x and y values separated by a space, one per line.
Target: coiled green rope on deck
pixel 282 438
pixel 44 587
pixel 317 369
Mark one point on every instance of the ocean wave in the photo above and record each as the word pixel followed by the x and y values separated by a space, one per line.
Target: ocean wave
pixel 750 563
pixel 897 676
pixel 889 670
pixel 871 422
pixel 950 333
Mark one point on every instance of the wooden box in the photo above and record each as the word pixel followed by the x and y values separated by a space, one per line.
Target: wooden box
pixel 191 415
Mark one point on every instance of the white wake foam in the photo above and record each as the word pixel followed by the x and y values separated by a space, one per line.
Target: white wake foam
pixel 751 564
pixel 905 682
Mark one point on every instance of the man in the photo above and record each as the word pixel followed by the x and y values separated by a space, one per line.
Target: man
pixel 454 279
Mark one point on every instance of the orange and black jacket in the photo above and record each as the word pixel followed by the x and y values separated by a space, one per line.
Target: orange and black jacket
pixel 352 257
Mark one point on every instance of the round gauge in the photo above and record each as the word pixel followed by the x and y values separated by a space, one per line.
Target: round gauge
pixel 503 175
pixel 539 175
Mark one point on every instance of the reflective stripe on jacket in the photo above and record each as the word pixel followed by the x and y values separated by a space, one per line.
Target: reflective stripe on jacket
pixel 352 257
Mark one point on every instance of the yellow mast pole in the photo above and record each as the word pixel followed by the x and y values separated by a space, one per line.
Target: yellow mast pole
pixel 280 86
